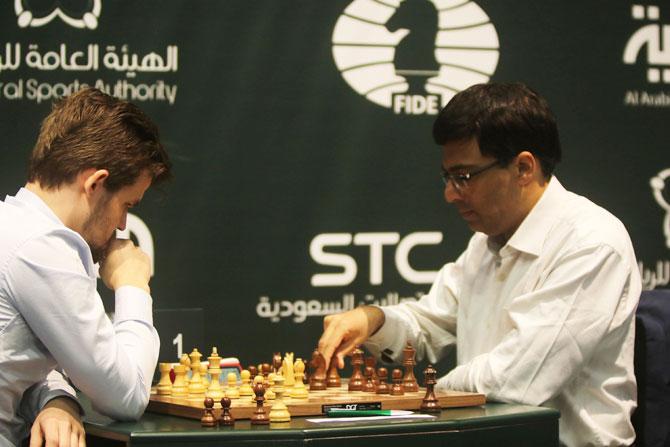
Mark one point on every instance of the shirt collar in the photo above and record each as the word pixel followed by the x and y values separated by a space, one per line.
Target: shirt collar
pixel 530 236
pixel 25 197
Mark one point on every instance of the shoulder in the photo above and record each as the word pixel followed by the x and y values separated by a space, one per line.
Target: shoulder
pixel 29 236
pixel 580 224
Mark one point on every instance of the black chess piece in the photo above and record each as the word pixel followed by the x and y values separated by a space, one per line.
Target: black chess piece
pixel 397 388
pixel 226 416
pixel 333 379
pixel 409 382
pixel 430 403
pixel 383 387
pixel 356 382
pixel 317 380
pixel 369 382
pixel 259 417
pixel 208 419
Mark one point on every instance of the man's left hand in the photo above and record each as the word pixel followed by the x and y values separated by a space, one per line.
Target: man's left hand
pixel 58 425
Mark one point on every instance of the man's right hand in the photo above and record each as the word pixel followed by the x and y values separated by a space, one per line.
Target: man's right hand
pixel 343 332
pixel 125 265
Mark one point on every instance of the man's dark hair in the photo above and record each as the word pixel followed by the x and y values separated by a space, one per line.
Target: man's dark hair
pixel 505 119
pixel 91 129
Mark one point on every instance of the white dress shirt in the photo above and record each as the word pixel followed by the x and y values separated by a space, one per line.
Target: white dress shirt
pixel 547 319
pixel 52 317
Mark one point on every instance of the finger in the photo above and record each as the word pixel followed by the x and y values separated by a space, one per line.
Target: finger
pixel 64 434
pixel 82 440
pixel 329 341
pixel 345 349
pixel 74 440
pixel 36 438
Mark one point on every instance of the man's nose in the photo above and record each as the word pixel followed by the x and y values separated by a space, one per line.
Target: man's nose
pixel 451 194
pixel 124 219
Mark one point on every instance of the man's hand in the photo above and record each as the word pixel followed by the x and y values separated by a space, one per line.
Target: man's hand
pixel 343 332
pixel 58 425
pixel 125 265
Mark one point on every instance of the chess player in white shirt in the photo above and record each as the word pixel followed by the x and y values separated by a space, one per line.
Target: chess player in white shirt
pixel 94 159
pixel 541 304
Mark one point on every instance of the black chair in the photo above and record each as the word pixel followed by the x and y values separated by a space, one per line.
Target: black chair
pixel 652 369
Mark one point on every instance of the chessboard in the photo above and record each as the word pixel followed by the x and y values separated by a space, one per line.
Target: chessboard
pixel 180 394
pixel 243 407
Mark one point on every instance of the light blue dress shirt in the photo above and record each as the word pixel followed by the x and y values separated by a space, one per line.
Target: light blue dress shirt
pixel 51 317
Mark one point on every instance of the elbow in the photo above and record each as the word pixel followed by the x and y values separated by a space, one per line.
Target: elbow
pixel 129 409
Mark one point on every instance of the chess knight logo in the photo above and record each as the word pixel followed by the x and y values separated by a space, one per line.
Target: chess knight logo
pixel 81 14
pixel 413 56
pixel 650 35
pixel 660 185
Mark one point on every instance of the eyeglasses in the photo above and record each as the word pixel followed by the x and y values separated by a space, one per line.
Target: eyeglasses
pixel 460 180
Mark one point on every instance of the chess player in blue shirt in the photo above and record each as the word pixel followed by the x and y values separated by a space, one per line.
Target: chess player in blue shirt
pixel 94 159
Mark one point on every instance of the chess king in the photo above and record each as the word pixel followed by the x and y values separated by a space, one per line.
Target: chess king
pixel 94 159
pixel 541 304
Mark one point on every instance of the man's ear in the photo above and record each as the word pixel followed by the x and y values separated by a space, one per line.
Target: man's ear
pixel 527 165
pixel 94 180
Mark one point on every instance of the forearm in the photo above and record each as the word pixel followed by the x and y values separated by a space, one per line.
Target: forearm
pixel 37 396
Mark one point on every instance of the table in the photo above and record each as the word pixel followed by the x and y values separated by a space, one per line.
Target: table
pixel 493 424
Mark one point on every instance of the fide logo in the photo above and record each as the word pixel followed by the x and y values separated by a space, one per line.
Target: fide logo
pixel 660 185
pixel 83 14
pixel 413 56
pixel 656 38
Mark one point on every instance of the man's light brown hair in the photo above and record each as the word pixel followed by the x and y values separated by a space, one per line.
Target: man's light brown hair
pixel 91 129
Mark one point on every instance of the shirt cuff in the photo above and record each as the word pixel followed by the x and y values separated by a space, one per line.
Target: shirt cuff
pixel 133 303
pixel 52 394
pixel 389 339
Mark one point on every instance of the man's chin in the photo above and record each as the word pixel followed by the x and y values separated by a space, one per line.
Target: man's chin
pixel 99 253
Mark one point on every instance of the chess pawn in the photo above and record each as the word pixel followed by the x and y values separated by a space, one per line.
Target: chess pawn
pixel 269 387
pixel 369 384
pixel 356 382
pixel 214 390
pixel 226 418
pixel 333 379
pixel 383 387
pixel 279 411
pixel 430 403
pixel 266 369
pixel 253 372
pixel 179 387
pixel 299 390
pixel 232 392
pixel 258 379
pixel 195 386
pixel 245 388
pixel 164 387
pixel 409 381
pixel 208 419
pixel 184 360
pixel 259 416
pixel 397 389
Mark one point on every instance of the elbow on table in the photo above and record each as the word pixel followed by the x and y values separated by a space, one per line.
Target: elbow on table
pixel 130 409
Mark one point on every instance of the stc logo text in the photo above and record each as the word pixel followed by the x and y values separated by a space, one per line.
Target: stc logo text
pixel 320 245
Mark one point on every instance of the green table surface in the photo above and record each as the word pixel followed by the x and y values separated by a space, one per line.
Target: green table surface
pixel 492 424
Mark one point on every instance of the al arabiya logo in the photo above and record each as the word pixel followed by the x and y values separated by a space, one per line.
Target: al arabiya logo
pixel 660 184
pixel 652 36
pixel 413 56
pixel 78 14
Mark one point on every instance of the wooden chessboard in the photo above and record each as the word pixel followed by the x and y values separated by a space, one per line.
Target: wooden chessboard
pixel 243 408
